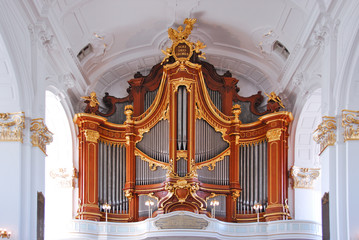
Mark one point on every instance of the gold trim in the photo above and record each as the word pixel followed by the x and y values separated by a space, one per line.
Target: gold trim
pixel 91 135
pixel 41 136
pixel 324 135
pixel 181 154
pixel 152 163
pixel 12 125
pixel 350 122
pixel 274 134
pixel 211 163
pixel 304 177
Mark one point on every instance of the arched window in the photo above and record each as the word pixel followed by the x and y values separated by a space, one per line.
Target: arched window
pixel 59 169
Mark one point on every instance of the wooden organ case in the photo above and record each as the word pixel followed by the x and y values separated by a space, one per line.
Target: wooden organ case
pixel 182 138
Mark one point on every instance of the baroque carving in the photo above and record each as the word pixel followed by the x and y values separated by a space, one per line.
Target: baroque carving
pixel 152 163
pixel 274 134
pixel 92 135
pixel 12 125
pixel 64 177
pixel 350 122
pixel 304 177
pixel 324 135
pixel 41 136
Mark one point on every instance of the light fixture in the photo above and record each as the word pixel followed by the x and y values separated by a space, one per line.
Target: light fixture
pixel 4 233
pixel 214 203
pixel 106 207
pixel 149 203
pixel 257 207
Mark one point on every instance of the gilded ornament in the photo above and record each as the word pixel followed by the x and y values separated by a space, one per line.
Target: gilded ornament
pixel 273 97
pixel 41 136
pixel 12 125
pixel 324 135
pixel 129 194
pixel 92 135
pixel 235 194
pixel 274 134
pixel 350 122
pixel 211 163
pixel 92 103
pixel 152 163
pixel 304 177
pixel 236 110
pixel 181 48
pixel 128 113
pixel 64 177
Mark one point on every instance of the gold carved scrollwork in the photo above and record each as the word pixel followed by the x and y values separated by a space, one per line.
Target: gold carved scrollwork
pixel 211 163
pixel 41 136
pixel 193 187
pixel 350 122
pixel 92 135
pixel 129 194
pixel 152 163
pixel 324 135
pixel 235 195
pixel 12 125
pixel 274 134
pixel 64 177
pixel 304 177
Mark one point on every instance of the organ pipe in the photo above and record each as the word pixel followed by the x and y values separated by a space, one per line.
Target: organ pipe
pixel 252 176
pixel 112 177
pixel 182 118
pixel 209 143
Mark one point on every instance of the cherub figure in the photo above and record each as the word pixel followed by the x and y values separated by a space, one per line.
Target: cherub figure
pixel 92 103
pixel 274 102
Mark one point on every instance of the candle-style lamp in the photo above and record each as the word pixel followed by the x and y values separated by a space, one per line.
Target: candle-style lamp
pixel 149 203
pixel 214 203
pixel 106 207
pixel 4 233
pixel 257 207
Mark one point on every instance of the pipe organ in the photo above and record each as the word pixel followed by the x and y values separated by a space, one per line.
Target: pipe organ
pixel 182 139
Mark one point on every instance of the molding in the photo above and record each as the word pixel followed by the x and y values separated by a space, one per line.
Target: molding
pixel 12 125
pixel 350 123
pixel 324 134
pixel 293 229
pixel 41 136
pixel 304 177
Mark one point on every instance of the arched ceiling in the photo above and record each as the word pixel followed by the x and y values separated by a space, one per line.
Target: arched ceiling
pixel 127 36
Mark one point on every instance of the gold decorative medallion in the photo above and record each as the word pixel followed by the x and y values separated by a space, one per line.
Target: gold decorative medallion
pixel 92 135
pixel 182 49
pixel 12 125
pixel 304 177
pixel 324 134
pixel 274 134
pixel 64 177
pixel 350 122
pixel 41 136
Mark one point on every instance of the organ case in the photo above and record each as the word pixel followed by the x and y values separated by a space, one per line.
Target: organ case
pixel 182 144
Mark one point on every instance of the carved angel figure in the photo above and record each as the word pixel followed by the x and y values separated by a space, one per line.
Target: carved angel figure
pixel 273 97
pixel 92 103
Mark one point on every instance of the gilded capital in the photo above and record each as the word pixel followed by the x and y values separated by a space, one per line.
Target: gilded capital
pixel 40 134
pixel 92 135
pixel 325 135
pixel 12 125
pixel 304 177
pixel 350 122
pixel 274 134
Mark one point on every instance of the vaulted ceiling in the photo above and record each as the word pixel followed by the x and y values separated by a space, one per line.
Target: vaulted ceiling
pixel 127 36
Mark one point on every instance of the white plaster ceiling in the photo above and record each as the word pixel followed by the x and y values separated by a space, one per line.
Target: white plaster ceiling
pixel 131 33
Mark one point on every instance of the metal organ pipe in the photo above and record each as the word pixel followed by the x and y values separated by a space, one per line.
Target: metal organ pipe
pixel 252 177
pixel 112 176
pixel 182 118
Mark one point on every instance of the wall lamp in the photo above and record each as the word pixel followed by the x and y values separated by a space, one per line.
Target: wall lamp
pixel 4 233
